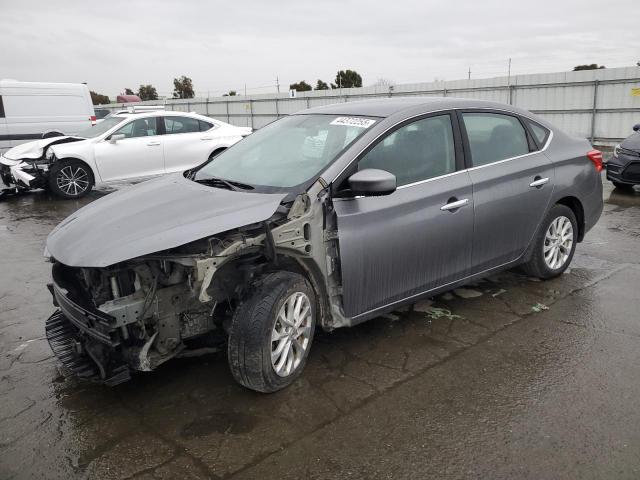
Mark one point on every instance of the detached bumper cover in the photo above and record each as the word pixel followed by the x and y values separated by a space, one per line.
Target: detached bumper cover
pixel 22 174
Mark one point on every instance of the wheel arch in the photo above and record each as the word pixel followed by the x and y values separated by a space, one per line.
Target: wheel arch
pixel 80 160
pixel 578 210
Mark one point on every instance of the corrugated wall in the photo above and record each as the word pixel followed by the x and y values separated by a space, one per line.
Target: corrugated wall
pixel 595 104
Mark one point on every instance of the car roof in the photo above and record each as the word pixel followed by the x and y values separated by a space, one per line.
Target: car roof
pixel 385 107
pixel 165 113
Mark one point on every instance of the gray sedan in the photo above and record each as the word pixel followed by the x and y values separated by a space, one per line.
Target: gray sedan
pixel 326 218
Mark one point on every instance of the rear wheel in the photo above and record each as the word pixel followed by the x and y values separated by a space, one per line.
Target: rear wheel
pixel 272 331
pixel 70 179
pixel 554 244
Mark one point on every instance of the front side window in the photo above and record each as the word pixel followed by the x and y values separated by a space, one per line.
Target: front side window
pixel 173 125
pixel 418 151
pixel 494 137
pixel 142 127
pixel 288 152
pixel 102 127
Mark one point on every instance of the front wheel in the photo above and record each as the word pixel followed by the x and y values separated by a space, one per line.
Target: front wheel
pixel 554 244
pixel 272 331
pixel 70 179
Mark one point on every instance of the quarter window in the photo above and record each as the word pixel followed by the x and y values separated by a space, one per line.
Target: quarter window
pixel 142 127
pixel 417 151
pixel 204 126
pixel 494 137
pixel 173 125
pixel 539 132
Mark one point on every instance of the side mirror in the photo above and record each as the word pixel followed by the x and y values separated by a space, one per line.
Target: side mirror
pixel 636 127
pixel 115 137
pixel 372 182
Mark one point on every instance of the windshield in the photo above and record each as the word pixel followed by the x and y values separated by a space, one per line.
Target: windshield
pixel 100 128
pixel 287 152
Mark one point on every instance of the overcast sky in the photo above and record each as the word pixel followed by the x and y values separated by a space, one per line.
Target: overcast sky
pixel 225 45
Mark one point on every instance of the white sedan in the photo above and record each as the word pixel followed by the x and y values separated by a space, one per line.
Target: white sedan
pixel 121 148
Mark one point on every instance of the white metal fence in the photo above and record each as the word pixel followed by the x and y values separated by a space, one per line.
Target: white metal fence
pixel 601 105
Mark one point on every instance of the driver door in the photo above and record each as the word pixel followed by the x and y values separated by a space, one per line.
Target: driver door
pixel 136 156
pixel 404 244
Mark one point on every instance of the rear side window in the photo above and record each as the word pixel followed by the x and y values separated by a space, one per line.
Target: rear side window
pixel 204 126
pixel 173 125
pixel 540 133
pixel 494 137
pixel 415 152
pixel 1 108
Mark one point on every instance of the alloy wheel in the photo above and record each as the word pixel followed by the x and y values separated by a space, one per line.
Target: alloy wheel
pixel 291 334
pixel 73 180
pixel 558 242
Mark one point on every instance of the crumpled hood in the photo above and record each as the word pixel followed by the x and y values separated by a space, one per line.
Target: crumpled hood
pixel 34 149
pixel 153 216
pixel 632 142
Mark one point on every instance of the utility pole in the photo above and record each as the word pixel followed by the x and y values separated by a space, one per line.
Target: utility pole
pixel 509 73
pixel 245 89
pixel 278 83
pixel 469 73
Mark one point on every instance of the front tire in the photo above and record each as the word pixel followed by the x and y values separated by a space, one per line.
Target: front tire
pixel 554 244
pixel 272 331
pixel 70 179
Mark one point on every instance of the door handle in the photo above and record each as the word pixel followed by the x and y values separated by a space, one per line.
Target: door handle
pixel 456 204
pixel 153 143
pixel 538 182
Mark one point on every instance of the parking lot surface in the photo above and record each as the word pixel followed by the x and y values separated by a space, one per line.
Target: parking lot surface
pixel 506 378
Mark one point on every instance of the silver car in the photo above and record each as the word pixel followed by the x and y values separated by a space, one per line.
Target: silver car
pixel 326 218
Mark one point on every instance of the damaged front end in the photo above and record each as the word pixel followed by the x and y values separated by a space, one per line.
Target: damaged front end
pixel 26 166
pixel 136 314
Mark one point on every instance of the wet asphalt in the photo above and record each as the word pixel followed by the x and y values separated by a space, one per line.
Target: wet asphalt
pixel 507 378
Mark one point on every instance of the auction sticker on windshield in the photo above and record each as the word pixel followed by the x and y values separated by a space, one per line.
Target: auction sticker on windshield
pixel 353 122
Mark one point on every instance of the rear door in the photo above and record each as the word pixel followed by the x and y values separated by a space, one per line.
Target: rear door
pixel 413 240
pixel 138 155
pixel 187 142
pixel 512 185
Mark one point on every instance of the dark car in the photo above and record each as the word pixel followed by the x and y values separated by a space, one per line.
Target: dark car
pixel 325 218
pixel 623 169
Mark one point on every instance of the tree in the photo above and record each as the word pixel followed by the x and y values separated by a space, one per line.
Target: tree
pixel 128 91
pixel 321 85
pixel 592 66
pixel 232 93
pixel 182 87
pixel 98 99
pixel 147 92
pixel 300 86
pixel 347 79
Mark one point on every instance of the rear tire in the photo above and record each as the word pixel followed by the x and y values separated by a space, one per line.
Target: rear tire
pixel 70 179
pixel 272 331
pixel 554 245
pixel 622 186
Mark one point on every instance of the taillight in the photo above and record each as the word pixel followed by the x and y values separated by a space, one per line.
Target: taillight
pixel 596 157
pixel 93 120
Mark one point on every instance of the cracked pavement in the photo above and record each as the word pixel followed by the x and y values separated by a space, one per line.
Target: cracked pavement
pixel 506 378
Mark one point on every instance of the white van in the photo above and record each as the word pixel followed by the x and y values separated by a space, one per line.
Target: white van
pixel 30 110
